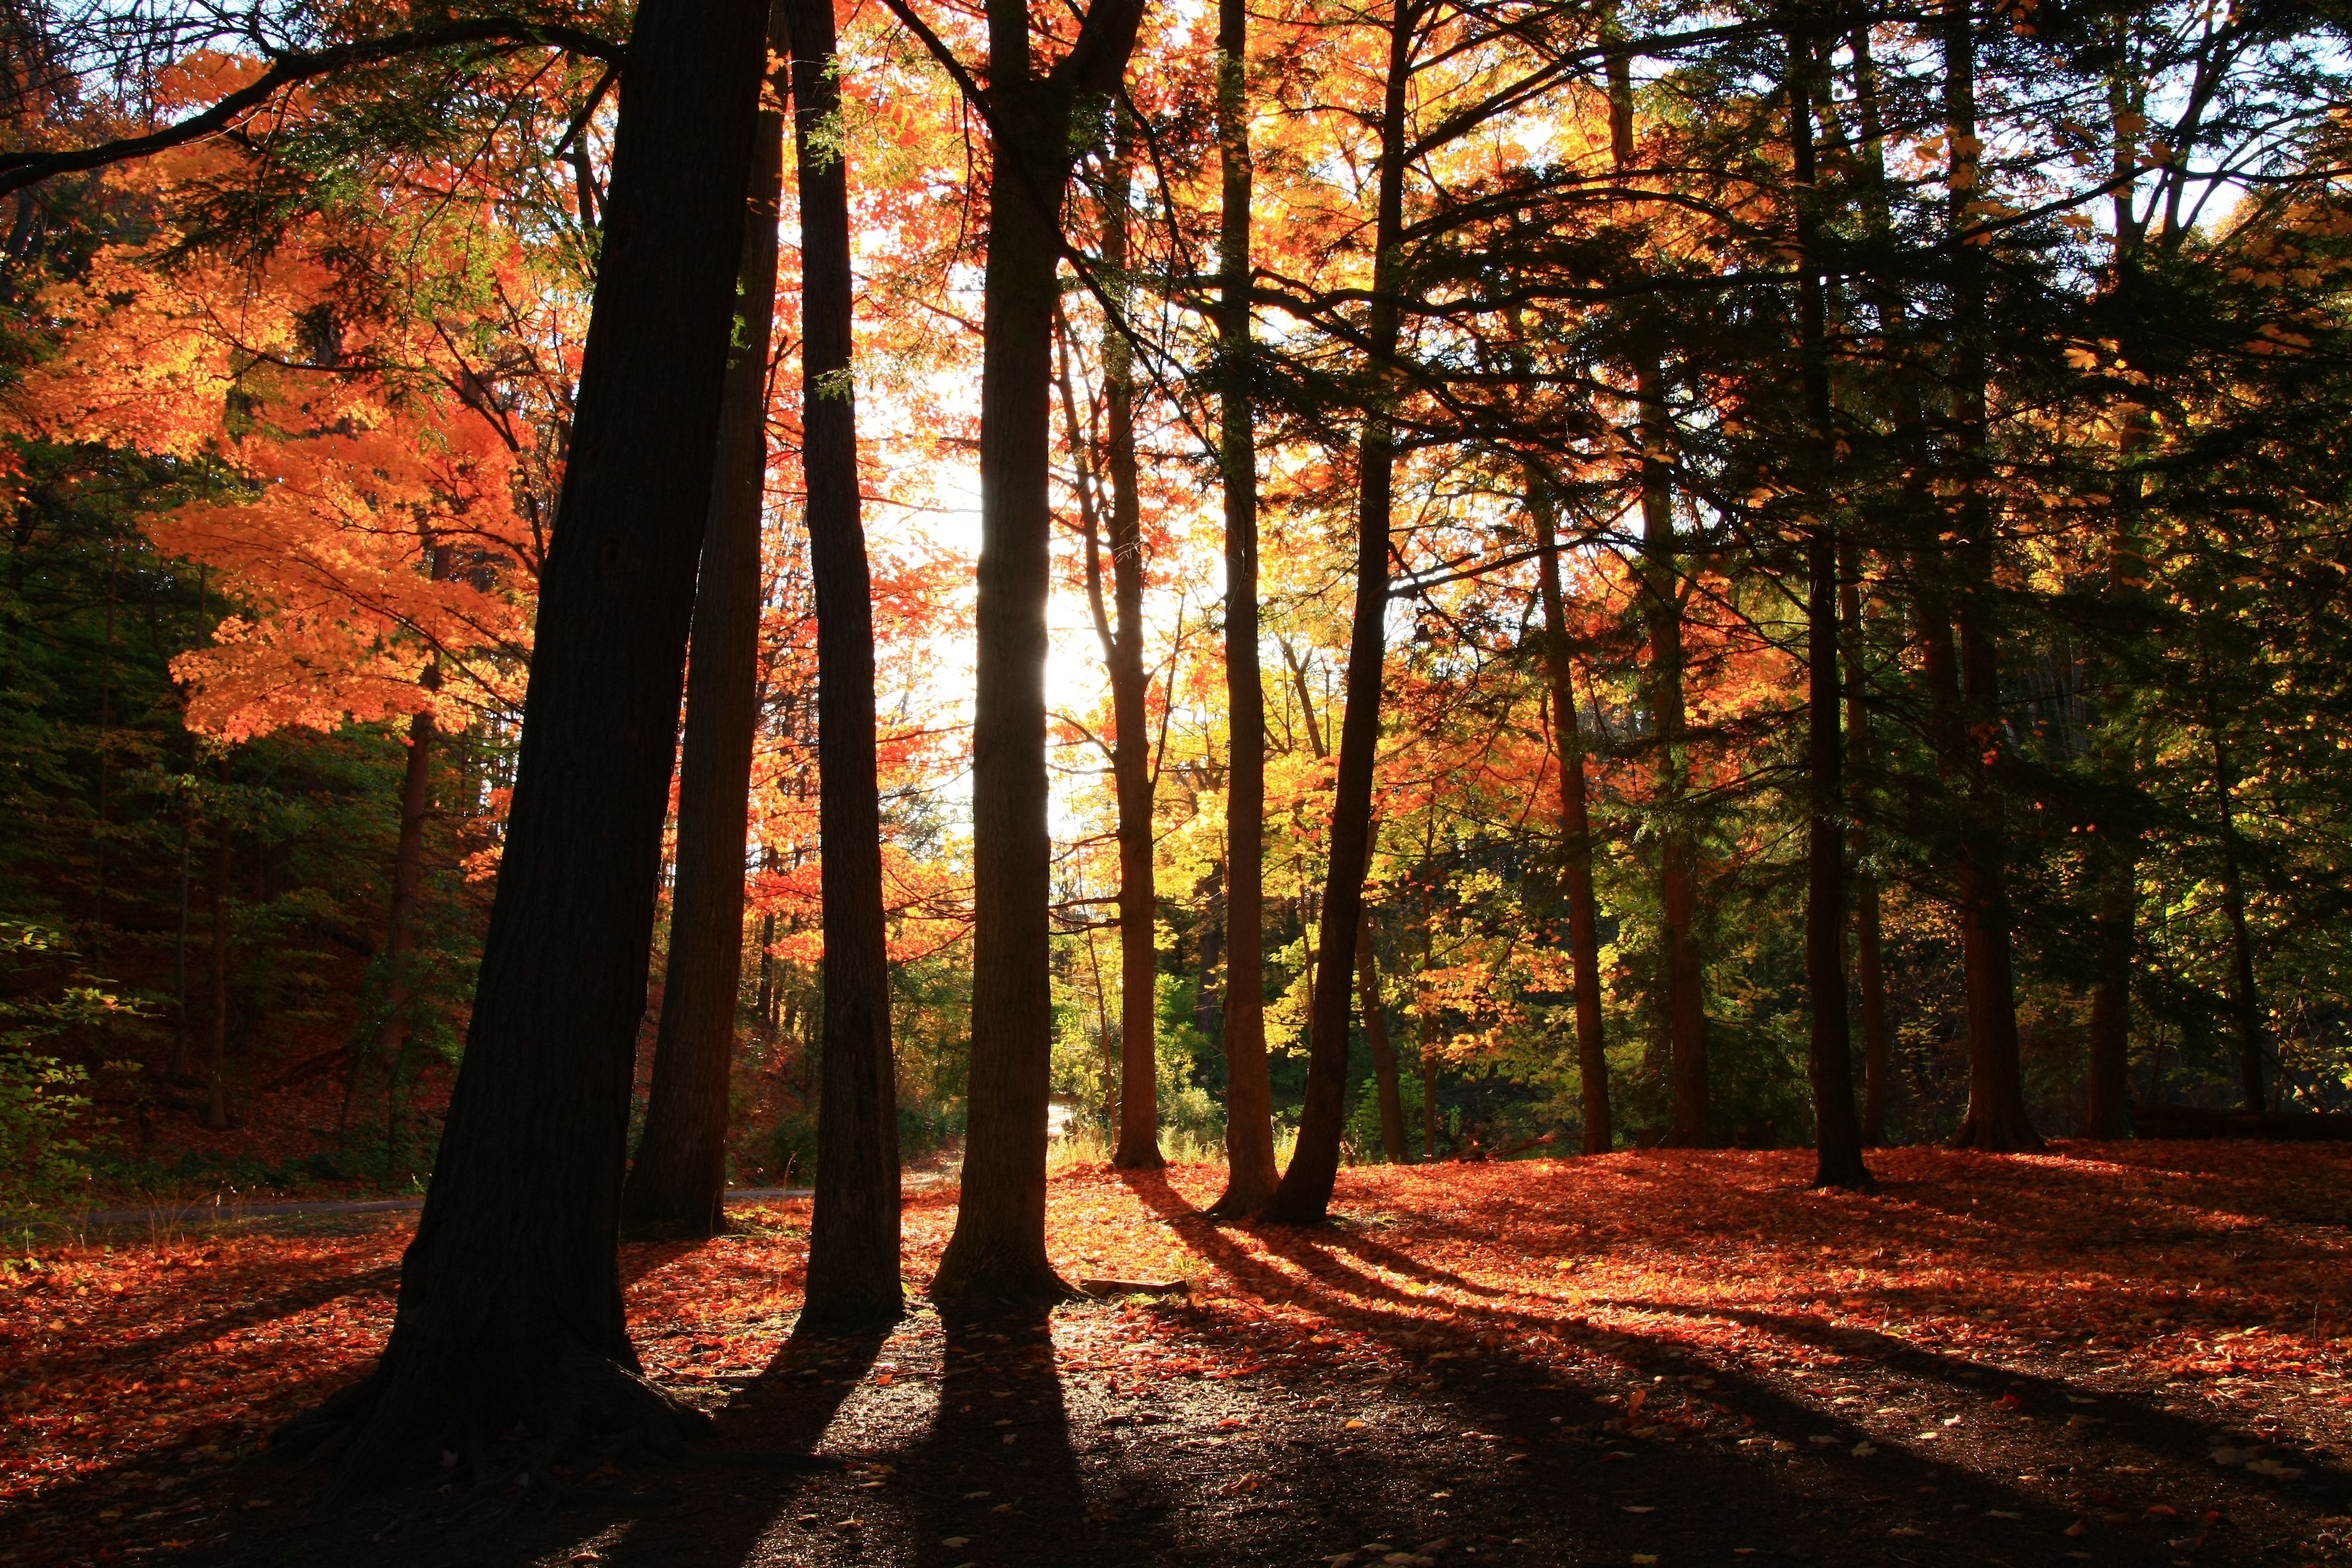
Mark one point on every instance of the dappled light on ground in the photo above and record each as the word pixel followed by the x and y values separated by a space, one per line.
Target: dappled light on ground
pixel 2132 1354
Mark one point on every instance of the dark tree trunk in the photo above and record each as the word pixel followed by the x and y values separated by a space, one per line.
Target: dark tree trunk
pixel 1303 1195
pixel 677 1183
pixel 1139 956
pixel 1575 832
pixel 216 1045
pixel 1869 960
pixel 408 855
pixel 1996 1120
pixel 1428 1087
pixel 1829 1062
pixel 1661 618
pixel 2246 1002
pixel 180 961
pixel 998 1250
pixel 852 1271
pixel 511 1308
pixel 1249 1095
pixel 1384 1061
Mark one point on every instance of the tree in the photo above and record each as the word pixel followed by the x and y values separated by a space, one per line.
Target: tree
pixel 1249 1099
pixel 998 1249
pixel 853 1272
pixel 678 1182
pixel 1304 1193
pixel 510 1297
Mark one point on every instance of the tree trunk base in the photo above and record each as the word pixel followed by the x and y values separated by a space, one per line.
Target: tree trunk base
pixel 1844 1172
pixel 1296 1211
pixel 2004 1133
pixel 985 1283
pixel 426 1410
pixel 1148 1159
pixel 649 1229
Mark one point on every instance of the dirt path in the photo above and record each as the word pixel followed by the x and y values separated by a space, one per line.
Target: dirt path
pixel 1397 1387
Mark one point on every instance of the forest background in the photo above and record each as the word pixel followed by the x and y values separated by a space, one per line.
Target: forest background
pixel 2062 375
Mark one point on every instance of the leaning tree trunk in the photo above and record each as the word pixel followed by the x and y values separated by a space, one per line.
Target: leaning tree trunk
pixel 853 1268
pixel 216 1046
pixel 1303 1195
pixel 1830 1061
pixel 1139 957
pixel 1249 1095
pixel 677 1183
pixel 510 1310
pixel 1575 831
pixel 1997 1119
pixel 998 1250
pixel 1661 614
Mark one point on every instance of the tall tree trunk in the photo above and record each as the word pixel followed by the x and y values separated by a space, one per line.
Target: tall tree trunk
pixel 1249 1096
pixel 1996 1118
pixel 998 1250
pixel 1138 955
pixel 677 1183
pixel 216 1046
pixel 1837 1130
pixel 510 1308
pixel 2246 1002
pixel 180 958
pixel 1428 1086
pixel 1869 952
pixel 852 1271
pixel 1303 1195
pixel 1575 830
pixel 1384 1061
pixel 2115 837
pixel 408 855
pixel 1661 618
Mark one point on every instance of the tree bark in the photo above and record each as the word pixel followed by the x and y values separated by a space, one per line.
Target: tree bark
pixel 677 1183
pixel 998 1250
pixel 510 1310
pixel 1869 950
pixel 1997 1119
pixel 1575 831
pixel 1303 1195
pixel 1384 1060
pixel 854 1243
pixel 217 1043
pixel 1837 1130
pixel 1250 1174
pixel 2246 1002
pixel 1138 955
pixel 1684 982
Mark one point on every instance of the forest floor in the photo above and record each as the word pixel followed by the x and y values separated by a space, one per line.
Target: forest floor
pixel 2128 1354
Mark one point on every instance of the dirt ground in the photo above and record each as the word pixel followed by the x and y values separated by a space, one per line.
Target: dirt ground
pixel 2098 1356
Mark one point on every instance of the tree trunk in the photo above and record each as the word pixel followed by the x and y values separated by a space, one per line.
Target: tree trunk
pixel 1139 956
pixel 1869 960
pixel 1575 832
pixel 2246 1002
pixel 1997 1120
pixel 510 1310
pixel 853 1272
pixel 1837 1130
pixel 677 1183
pixel 998 1250
pixel 216 1046
pixel 1249 1096
pixel 1384 1061
pixel 180 959
pixel 1303 1195
pixel 408 857
pixel 1428 1087
pixel 1662 616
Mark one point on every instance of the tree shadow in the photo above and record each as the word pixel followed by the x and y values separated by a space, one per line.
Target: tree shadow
pixel 1782 1468
pixel 997 1468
